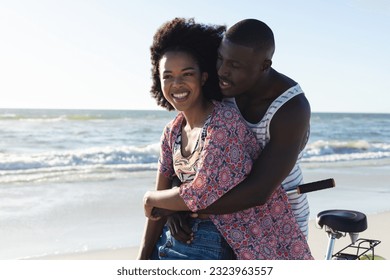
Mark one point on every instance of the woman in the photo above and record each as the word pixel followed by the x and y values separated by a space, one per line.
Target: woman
pixel 210 149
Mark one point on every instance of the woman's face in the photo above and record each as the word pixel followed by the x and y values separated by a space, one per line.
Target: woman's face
pixel 181 80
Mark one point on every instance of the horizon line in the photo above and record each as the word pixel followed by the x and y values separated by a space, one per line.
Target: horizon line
pixel 162 109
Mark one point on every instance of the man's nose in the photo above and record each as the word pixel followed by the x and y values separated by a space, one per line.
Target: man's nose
pixel 222 69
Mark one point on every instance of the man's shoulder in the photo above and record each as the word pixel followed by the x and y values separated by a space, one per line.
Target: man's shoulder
pixel 292 98
pixel 298 100
pixel 294 113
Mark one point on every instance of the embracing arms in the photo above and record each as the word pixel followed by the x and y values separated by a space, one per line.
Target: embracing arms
pixel 226 159
pixel 289 128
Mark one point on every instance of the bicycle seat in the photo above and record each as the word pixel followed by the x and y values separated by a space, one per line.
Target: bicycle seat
pixel 343 220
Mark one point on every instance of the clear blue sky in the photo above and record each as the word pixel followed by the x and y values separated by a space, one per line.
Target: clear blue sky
pixel 95 54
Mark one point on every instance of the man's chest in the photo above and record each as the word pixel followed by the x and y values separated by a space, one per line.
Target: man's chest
pixel 254 112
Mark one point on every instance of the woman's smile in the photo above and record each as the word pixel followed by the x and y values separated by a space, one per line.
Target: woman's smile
pixel 180 96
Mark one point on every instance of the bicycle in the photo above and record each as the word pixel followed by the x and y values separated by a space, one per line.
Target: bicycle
pixel 340 223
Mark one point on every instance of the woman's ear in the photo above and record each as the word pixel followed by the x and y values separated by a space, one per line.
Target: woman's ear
pixel 204 77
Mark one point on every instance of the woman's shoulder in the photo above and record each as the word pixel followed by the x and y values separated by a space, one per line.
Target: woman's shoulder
pixel 174 125
pixel 226 113
pixel 176 121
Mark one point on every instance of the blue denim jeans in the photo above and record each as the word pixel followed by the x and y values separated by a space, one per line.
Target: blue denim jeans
pixel 208 244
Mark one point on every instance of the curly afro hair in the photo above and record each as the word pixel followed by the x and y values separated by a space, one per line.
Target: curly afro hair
pixel 199 40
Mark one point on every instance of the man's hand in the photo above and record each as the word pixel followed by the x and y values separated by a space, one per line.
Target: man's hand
pixel 149 213
pixel 177 223
pixel 160 212
pixel 179 227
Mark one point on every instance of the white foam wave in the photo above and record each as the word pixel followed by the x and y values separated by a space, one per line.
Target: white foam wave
pixel 99 163
pixel 332 151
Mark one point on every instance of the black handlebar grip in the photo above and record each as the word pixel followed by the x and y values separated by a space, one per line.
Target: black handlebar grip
pixel 316 186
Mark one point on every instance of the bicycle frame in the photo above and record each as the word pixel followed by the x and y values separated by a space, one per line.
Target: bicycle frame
pixel 339 223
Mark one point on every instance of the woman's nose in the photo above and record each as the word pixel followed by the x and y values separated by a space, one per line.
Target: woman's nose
pixel 177 80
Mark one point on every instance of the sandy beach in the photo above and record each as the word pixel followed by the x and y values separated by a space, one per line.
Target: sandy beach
pixel 378 229
pixel 357 188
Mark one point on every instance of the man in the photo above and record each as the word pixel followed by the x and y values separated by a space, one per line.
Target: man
pixel 275 107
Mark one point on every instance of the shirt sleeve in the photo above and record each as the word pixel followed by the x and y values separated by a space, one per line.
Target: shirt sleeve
pixel 165 161
pixel 229 150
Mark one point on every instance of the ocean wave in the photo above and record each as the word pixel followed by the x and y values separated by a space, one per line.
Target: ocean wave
pixel 105 163
pixel 90 156
pixel 98 162
pixel 52 115
pixel 73 174
pixel 332 151
pixel 56 118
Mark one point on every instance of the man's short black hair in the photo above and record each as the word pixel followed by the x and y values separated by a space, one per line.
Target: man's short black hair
pixel 252 33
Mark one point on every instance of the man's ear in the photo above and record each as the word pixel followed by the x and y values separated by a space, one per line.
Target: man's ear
pixel 267 64
pixel 204 78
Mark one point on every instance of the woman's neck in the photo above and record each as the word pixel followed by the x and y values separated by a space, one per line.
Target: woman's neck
pixel 196 116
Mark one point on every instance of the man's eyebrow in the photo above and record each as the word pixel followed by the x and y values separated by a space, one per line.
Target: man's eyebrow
pixel 229 59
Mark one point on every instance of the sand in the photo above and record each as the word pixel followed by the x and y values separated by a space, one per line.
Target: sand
pixel 318 240
pixel 363 188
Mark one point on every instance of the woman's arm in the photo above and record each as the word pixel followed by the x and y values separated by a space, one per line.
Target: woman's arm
pixel 153 229
pixel 150 237
pixel 166 199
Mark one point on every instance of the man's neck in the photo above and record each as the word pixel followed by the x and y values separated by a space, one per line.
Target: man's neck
pixel 254 104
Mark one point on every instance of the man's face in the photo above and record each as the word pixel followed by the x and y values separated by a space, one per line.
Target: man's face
pixel 239 68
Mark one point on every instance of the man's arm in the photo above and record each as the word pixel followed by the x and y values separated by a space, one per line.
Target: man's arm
pixel 288 129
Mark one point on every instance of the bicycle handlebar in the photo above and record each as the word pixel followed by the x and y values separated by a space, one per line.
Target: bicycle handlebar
pixel 313 186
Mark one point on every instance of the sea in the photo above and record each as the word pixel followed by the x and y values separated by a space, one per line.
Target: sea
pixel 40 146
pixel 64 174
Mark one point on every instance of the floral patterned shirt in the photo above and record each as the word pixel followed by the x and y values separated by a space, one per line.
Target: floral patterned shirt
pixel 225 155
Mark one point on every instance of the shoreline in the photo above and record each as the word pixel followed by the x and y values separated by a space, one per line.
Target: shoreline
pixel 84 228
pixel 318 241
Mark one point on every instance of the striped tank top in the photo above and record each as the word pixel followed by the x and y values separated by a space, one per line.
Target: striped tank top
pixel 299 203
